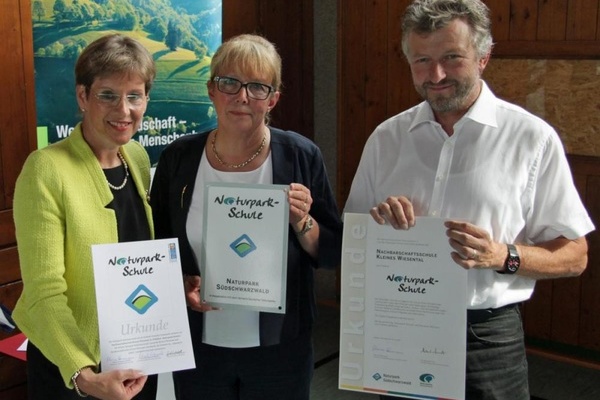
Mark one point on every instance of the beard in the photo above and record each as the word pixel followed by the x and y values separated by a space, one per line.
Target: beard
pixel 458 101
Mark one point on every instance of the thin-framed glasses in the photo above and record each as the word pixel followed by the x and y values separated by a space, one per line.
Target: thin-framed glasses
pixel 254 90
pixel 112 99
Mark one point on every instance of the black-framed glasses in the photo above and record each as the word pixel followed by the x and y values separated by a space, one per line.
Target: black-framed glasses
pixel 113 99
pixel 254 90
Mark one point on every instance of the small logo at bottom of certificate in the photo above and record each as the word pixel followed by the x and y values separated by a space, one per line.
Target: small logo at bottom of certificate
pixel 426 380
pixel 377 376
pixel 243 245
pixel 141 299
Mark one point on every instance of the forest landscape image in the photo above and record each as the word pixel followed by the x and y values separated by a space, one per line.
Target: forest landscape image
pixel 181 35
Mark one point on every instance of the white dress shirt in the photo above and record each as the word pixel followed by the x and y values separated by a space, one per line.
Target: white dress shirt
pixel 503 169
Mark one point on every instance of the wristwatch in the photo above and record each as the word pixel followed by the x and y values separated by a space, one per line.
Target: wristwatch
pixel 308 224
pixel 512 262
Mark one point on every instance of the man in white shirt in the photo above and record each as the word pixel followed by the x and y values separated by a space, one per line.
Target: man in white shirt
pixel 496 172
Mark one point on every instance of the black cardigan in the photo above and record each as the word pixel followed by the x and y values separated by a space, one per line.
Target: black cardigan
pixel 295 159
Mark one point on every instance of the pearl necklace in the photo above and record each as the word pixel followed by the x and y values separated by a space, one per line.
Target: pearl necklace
pixel 242 164
pixel 122 185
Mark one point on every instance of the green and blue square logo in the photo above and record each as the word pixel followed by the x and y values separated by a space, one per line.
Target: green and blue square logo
pixel 243 246
pixel 141 299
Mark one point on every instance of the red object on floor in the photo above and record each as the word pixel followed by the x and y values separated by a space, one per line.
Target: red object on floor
pixel 10 345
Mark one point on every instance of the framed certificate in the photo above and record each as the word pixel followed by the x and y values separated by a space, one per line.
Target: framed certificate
pixel 244 249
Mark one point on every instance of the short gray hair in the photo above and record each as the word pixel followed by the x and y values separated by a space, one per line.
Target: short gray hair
pixel 427 16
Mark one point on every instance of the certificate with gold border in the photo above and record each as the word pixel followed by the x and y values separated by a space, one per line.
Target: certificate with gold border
pixel 244 249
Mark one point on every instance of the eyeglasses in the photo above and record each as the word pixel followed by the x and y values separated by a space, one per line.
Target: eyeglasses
pixel 112 99
pixel 254 90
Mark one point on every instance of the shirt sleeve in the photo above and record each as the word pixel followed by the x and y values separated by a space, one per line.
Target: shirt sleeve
pixel 557 209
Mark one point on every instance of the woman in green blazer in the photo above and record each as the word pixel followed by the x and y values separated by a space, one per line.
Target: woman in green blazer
pixel 89 188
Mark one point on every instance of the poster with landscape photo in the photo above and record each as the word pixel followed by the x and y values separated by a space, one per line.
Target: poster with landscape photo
pixel 181 35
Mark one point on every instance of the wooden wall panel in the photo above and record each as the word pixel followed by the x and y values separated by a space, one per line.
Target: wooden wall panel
pixel 552 20
pixel 9 266
pixel 240 16
pixel 289 25
pixel 500 17
pixel 523 19
pixel 537 315
pixel 352 129
pixel 7 227
pixel 566 308
pixel 546 28
pixel 589 333
pixel 376 78
pixel 14 122
pixel 597 22
pixel 582 20
pixel 400 96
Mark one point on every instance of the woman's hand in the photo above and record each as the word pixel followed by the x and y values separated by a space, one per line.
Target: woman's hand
pixel 191 285
pixel 122 384
pixel 300 201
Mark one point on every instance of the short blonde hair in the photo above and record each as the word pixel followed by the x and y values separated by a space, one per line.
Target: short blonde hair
pixel 248 53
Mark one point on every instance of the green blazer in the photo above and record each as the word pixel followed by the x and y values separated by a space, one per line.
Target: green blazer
pixel 60 211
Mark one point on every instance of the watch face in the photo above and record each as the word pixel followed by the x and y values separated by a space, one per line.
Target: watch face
pixel 513 263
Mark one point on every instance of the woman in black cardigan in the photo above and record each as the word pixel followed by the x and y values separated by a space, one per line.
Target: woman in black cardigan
pixel 271 357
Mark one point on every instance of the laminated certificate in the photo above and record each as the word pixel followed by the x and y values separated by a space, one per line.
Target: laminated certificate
pixel 244 253
pixel 403 311
pixel 141 307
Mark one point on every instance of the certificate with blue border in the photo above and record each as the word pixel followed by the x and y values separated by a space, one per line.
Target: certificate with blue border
pixel 244 248
pixel 142 313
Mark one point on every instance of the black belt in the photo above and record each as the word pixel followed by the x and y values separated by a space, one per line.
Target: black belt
pixel 478 316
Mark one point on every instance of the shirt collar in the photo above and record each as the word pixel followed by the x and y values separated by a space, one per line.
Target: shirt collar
pixel 482 111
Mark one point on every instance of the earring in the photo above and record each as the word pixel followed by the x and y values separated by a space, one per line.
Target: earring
pixel 83 110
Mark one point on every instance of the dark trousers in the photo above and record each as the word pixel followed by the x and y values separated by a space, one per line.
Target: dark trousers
pixel 282 371
pixel 45 382
pixel 496 359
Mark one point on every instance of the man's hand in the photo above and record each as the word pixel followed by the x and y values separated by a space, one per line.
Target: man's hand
pixel 397 210
pixel 474 247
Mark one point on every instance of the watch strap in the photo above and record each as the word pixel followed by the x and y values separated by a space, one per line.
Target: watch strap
pixel 512 262
pixel 308 224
